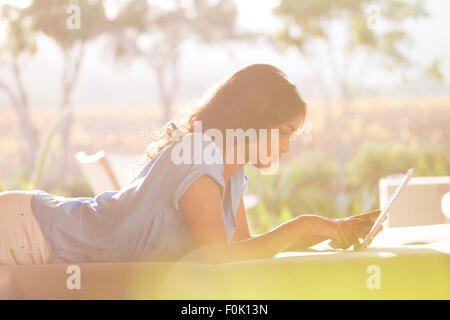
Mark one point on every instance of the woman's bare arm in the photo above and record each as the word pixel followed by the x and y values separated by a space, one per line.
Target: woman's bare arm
pixel 351 228
pixel 201 207
pixel 242 231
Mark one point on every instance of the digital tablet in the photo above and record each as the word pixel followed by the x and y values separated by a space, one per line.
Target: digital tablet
pixel 376 226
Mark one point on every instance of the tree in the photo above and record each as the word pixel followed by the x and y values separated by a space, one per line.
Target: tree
pixel 157 35
pixel 434 72
pixel 311 26
pixel 19 42
pixel 52 18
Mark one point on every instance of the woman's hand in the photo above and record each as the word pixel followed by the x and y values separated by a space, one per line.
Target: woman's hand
pixel 346 232
pixel 342 232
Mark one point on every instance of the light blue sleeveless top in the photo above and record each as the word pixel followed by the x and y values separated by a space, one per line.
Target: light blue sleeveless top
pixel 140 222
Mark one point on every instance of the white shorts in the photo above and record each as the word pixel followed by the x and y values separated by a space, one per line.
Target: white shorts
pixel 21 238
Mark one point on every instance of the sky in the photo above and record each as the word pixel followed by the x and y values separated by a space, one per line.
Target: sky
pixel 107 82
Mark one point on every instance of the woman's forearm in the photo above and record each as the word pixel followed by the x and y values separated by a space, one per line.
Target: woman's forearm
pixel 311 238
pixel 307 242
pixel 270 243
pixel 296 234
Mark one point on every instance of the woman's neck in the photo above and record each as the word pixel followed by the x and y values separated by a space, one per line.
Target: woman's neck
pixel 230 169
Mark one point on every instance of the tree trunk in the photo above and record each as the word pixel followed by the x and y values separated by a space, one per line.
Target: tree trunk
pixel 70 76
pixel 164 96
pixel 30 135
pixel 166 72
pixel 347 140
pixel 66 145
pixel 20 105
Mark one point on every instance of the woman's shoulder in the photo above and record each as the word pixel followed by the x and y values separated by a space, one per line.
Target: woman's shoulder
pixel 191 151
pixel 191 155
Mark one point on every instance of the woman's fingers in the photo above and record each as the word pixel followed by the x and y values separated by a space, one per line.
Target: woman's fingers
pixel 342 238
pixel 335 244
pixel 348 231
pixel 350 238
pixel 379 229
pixel 337 238
pixel 372 215
pixel 357 227
pixel 362 228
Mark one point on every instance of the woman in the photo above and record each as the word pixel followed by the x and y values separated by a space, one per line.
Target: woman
pixel 174 208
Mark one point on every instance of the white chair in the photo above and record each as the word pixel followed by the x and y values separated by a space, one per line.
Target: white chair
pixel 108 172
pixel 418 204
pixel 123 165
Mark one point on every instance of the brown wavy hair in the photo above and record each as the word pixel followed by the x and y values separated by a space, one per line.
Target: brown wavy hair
pixel 258 96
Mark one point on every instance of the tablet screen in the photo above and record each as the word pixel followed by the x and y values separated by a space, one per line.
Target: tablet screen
pixel 383 213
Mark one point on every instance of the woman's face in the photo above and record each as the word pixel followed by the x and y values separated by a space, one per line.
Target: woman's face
pixel 286 131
